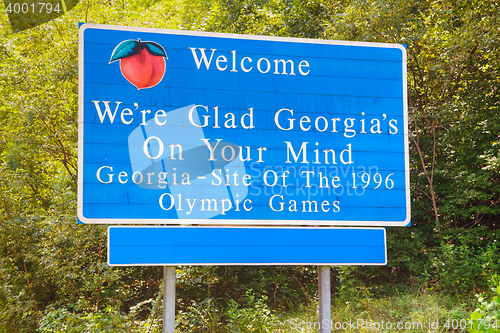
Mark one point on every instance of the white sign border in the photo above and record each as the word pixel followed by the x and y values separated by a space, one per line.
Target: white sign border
pixel 85 220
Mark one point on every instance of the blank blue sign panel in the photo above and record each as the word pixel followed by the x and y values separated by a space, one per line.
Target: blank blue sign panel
pixel 180 127
pixel 160 246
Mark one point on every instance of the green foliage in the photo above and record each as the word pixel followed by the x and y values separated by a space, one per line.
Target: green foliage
pixel 205 316
pixel 80 317
pixel 283 286
pixel 347 280
pixel 61 320
pixel 469 262
pixel 255 316
pixel 487 317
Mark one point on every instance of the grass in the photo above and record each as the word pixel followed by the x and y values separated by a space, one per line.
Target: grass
pixel 414 310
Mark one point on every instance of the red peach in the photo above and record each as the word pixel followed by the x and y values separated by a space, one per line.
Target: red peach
pixel 143 70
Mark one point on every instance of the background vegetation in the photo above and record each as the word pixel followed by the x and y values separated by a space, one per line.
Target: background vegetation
pixel 53 272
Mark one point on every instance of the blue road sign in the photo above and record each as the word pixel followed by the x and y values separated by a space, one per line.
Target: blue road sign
pixel 160 246
pixel 180 127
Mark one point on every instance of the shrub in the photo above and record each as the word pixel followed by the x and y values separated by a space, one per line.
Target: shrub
pixel 486 318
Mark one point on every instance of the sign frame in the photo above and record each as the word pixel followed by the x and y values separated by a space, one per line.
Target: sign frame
pixel 241 222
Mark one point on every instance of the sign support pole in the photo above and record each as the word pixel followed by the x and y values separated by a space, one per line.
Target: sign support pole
pixel 324 299
pixel 168 299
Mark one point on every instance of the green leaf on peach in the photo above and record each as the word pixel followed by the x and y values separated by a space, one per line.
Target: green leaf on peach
pixel 156 49
pixel 123 50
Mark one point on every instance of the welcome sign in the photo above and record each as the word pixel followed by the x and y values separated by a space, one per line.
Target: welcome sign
pixel 181 127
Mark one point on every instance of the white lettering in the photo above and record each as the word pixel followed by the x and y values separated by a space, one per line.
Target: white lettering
pixel 203 57
pixel 220 59
pixel 246 70
pixel 211 149
pixel 146 150
pixel 303 148
pixel 304 63
pixel 99 174
pixel 107 110
pixel 190 116
pixel 171 201
pixel 289 120
pixel 268 65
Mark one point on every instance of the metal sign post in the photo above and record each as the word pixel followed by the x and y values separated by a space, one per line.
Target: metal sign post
pixel 168 299
pixel 324 299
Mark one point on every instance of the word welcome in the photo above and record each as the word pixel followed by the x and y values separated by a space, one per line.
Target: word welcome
pixel 246 64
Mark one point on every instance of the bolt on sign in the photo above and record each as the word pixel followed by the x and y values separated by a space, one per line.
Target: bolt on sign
pixel 180 127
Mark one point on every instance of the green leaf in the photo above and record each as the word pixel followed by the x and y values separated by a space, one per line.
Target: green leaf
pixel 155 49
pixel 124 50
pixel 476 315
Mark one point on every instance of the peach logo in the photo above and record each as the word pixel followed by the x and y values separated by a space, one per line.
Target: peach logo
pixel 141 63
